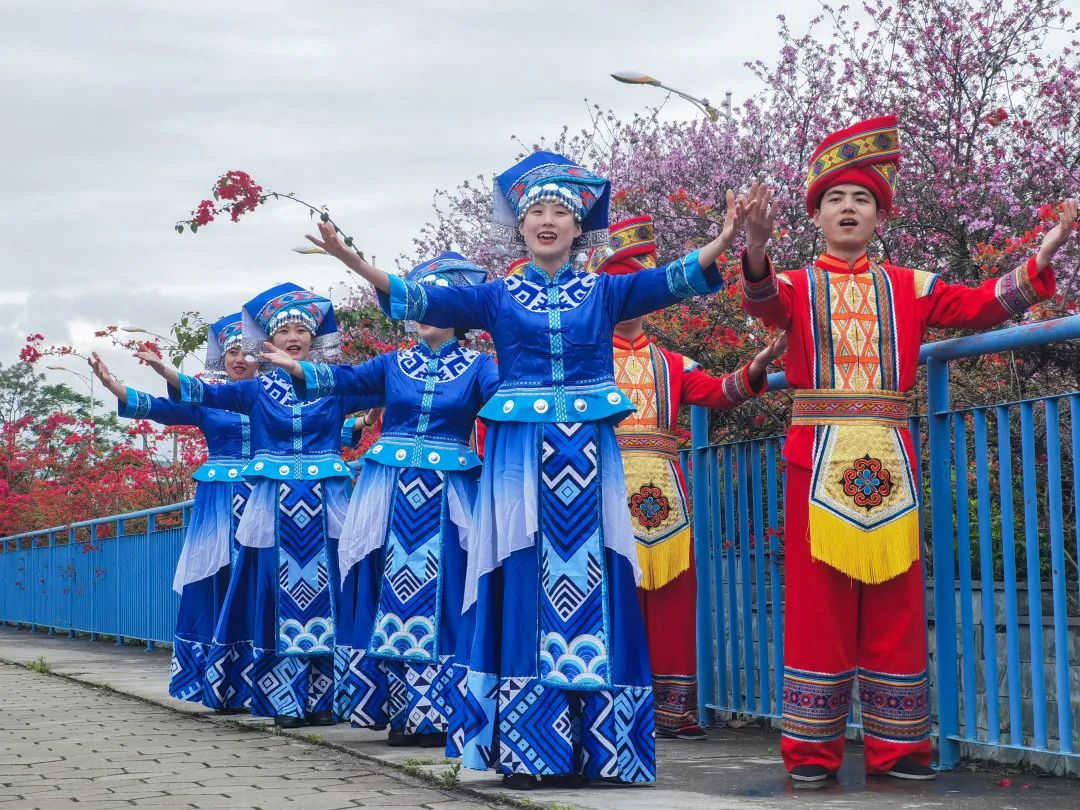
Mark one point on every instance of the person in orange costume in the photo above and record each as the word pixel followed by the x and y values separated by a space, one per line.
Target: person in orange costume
pixel 658 382
pixel 854 607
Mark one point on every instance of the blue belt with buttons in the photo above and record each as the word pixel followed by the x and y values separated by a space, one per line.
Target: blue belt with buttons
pixel 297 468
pixel 220 471
pixel 602 401
pixel 429 454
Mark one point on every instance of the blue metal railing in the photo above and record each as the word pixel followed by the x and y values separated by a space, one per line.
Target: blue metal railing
pixel 740 571
pixel 96 577
pixel 985 693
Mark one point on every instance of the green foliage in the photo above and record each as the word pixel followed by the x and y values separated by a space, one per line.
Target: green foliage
pixel 39 664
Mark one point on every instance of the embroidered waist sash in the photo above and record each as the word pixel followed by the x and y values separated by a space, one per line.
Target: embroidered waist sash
pixel 864 518
pixel 830 407
pixel 660 443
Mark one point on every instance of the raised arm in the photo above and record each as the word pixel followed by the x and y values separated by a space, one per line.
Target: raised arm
pixel 997 300
pixel 134 404
pixel 731 390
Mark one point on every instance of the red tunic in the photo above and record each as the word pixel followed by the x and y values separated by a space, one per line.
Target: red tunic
pixel 659 382
pixel 853 611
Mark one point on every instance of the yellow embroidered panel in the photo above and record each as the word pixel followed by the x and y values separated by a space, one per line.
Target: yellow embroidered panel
pixel 659 515
pixel 863 502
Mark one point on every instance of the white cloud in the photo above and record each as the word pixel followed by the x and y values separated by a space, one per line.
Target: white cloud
pixel 120 114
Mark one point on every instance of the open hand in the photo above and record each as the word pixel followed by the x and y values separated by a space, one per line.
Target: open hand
pixel 759 366
pixel 1059 235
pixel 98 367
pixel 152 360
pixel 733 220
pixel 331 241
pixel 759 216
pixel 282 359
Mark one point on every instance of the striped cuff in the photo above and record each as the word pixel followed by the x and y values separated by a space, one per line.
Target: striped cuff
pixel 191 390
pixel 1016 291
pixel 319 381
pixel 406 301
pixel 686 279
pixel 137 405
pixel 348 427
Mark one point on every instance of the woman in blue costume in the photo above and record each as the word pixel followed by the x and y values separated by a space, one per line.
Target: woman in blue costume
pixel 202 572
pixel 558 683
pixel 401 636
pixel 280 613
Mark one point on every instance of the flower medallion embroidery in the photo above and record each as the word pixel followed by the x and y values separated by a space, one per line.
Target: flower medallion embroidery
pixel 867 483
pixel 649 506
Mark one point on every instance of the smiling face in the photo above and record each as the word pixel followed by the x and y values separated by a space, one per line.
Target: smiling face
pixel 848 215
pixel 549 230
pixel 237 366
pixel 295 339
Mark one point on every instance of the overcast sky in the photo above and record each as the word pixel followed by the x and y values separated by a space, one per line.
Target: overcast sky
pixel 118 116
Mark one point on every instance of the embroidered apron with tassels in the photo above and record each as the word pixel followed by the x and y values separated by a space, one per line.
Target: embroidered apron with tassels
pixel 658 509
pixel 864 518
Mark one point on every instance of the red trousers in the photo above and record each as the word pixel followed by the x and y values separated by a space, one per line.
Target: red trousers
pixel 670 614
pixel 838 631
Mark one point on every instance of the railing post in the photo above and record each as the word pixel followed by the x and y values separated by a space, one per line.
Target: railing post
pixel 69 569
pixel 114 583
pixel 151 527
pixel 941 540
pixel 699 442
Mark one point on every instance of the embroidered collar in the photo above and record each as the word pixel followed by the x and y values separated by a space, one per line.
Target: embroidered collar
pixel 538 275
pixel 834 265
pixel 637 344
pixel 443 348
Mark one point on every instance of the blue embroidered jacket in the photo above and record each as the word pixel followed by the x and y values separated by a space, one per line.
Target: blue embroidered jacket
pixel 289 439
pixel 553 335
pixel 432 398
pixel 227 434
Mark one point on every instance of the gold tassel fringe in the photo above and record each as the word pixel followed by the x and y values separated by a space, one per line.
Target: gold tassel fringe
pixel 874 556
pixel 660 564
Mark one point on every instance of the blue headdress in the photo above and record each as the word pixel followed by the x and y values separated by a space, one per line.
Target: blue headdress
pixel 448 269
pixel 287 303
pixel 221 336
pixel 549 177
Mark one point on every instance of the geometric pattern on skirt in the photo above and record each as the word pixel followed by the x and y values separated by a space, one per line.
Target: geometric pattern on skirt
pixel 573 623
pixel 413 697
pixel 816 704
pixel 290 685
pixel 895 707
pixel 305 602
pixel 406 623
pixel 228 675
pixel 544 730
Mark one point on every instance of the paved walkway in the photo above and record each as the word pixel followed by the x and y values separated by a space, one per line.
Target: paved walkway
pixel 62 741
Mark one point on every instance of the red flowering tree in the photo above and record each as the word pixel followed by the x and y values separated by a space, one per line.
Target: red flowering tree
pixel 62 461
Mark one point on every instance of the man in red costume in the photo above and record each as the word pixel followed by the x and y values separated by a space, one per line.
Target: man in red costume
pixel 854 591
pixel 658 382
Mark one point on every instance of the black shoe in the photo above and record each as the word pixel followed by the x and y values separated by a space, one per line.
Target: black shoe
pixel 399 739
pixel 810 773
pixel 909 768
pixel 231 710
pixel 519 781
pixel 285 721
pixel 321 719
pixel 436 739
pixel 565 781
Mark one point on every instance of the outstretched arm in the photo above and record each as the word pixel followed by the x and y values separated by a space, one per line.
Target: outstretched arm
pixel 330 241
pixel 731 390
pixel 101 371
pixel 168 373
pixel 996 300
pixel 759 221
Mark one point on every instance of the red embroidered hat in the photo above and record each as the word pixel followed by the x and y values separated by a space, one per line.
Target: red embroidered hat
pixel 867 154
pixel 631 247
